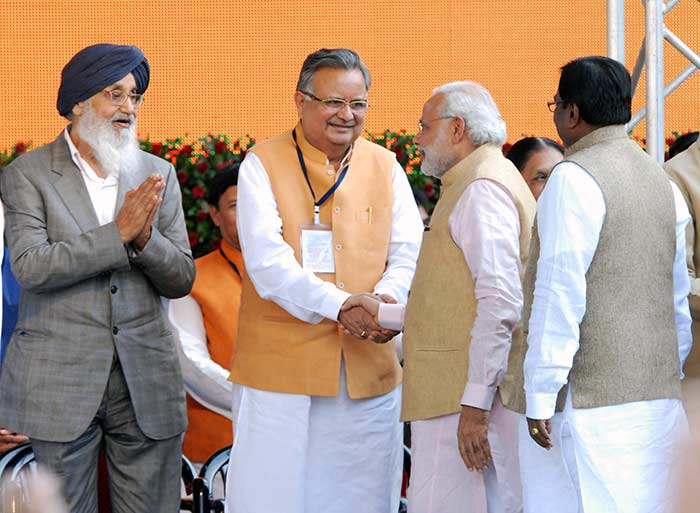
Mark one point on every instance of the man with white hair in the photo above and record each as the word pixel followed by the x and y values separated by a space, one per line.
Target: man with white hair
pixel 97 235
pixel 464 311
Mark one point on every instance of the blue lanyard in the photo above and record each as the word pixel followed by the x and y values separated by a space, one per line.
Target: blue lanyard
pixel 233 266
pixel 329 192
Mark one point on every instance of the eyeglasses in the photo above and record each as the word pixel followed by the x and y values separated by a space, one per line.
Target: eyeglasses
pixel 338 104
pixel 119 97
pixel 552 106
pixel 423 124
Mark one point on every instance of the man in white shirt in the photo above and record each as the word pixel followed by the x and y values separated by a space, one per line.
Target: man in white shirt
pixel 464 311
pixel 322 214
pixel 606 300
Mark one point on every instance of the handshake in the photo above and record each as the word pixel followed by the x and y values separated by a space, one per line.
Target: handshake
pixel 359 317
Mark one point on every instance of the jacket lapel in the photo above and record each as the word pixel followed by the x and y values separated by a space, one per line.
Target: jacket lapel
pixel 71 187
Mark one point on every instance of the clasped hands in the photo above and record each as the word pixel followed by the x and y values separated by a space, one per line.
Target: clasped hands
pixel 359 317
pixel 136 214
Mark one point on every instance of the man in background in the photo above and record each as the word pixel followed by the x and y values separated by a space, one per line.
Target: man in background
pixel 684 170
pixel 207 323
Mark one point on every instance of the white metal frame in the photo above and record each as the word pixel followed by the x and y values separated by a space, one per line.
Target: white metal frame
pixel 651 53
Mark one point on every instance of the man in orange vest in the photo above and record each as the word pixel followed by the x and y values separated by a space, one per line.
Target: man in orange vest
pixel 207 322
pixel 323 214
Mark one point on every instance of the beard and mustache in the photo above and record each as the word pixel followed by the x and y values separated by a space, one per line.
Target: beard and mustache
pixel 115 149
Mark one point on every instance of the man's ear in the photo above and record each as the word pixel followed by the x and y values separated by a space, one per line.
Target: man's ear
pixel 215 215
pixel 299 100
pixel 78 109
pixel 574 117
pixel 459 129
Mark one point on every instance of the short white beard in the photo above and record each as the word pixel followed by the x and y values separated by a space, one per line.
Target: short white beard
pixel 116 150
pixel 438 167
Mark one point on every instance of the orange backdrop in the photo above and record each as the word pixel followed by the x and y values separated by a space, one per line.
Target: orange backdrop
pixel 230 66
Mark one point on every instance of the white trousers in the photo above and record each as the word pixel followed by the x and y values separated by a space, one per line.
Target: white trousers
pixel 308 454
pixel 440 481
pixel 549 477
pixel 627 458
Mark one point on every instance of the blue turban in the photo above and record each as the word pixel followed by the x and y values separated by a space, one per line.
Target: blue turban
pixel 99 66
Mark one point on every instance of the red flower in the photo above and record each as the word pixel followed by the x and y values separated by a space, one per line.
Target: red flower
pixel 186 150
pixel 202 215
pixel 222 165
pixel 399 153
pixel 20 147
pixel 203 166
pixel 220 147
pixel 429 189
pixel 670 141
pixel 197 191
pixel 156 148
pixel 181 176
pixel 506 147
pixel 194 238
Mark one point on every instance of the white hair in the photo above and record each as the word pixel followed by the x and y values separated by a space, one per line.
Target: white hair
pixel 116 151
pixel 473 103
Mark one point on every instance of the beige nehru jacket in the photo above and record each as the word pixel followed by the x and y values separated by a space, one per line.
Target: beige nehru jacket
pixel 628 343
pixel 442 307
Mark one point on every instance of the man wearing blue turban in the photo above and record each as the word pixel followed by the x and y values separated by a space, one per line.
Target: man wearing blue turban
pixel 96 233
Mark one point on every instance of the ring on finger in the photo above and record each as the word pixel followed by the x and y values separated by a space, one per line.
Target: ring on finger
pixel 534 431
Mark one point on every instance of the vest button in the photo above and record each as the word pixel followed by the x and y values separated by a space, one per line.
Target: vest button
pixel 115 330
pixel 336 210
pixel 113 289
pixel 330 172
pixel 338 247
pixel 341 285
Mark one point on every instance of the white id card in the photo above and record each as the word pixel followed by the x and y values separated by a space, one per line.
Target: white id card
pixel 317 249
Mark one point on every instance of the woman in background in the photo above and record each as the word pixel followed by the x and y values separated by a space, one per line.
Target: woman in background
pixel 535 157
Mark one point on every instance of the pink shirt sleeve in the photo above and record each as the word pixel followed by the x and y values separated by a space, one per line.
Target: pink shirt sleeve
pixel 485 225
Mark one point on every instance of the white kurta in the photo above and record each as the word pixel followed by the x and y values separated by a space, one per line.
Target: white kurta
pixel 306 454
pixel 205 380
pixel 485 225
pixel 624 454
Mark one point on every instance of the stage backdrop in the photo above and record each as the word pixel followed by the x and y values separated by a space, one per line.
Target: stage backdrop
pixel 231 67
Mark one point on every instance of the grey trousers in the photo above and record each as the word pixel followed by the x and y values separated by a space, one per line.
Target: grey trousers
pixel 144 474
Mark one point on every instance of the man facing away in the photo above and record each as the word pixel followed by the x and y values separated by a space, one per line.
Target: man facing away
pixel 606 299
pixel 207 322
pixel 322 214
pixel 464 310
pixel 96 234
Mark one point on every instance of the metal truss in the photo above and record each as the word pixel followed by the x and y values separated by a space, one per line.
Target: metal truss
pixel 651 53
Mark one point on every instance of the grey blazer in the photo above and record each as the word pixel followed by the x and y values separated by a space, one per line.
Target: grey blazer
pixel 85 296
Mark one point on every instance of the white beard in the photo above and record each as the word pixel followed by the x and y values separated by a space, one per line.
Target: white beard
pixel 436 167
pixel 116 150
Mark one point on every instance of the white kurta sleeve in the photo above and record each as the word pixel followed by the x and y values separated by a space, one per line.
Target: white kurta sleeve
pixel 570 215
pixel 681 280
pixel 205 380
pixel 486 226
pixel 406 238
pixel 269 260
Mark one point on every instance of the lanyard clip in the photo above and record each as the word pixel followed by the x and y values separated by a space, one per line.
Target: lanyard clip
pixel 317 214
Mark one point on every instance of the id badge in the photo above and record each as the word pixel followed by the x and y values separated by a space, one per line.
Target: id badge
pixel 317 248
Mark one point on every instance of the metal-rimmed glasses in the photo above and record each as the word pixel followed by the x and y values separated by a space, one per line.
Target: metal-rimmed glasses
pixel 119 97
pixel 423 123
pixel 552 106
pixel 338 104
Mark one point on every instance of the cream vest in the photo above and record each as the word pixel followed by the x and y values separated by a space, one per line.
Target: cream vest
pixel 441 307
pixel 276 351
pixel 628 343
